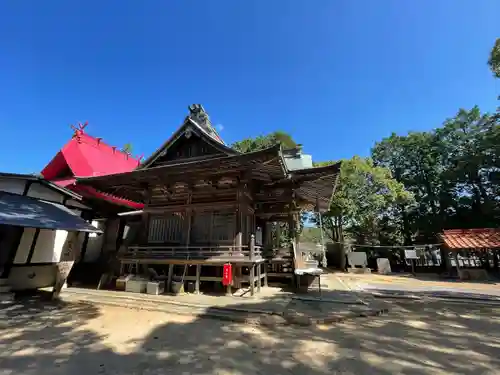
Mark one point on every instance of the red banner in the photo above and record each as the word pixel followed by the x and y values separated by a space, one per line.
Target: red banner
pixel 227 274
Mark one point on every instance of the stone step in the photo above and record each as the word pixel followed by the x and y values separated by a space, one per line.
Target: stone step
pixel 4 282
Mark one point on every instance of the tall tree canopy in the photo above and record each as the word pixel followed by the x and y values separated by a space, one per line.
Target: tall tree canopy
pixel 451 171
pixel 494 60
pixel 263 141
pixel 366 206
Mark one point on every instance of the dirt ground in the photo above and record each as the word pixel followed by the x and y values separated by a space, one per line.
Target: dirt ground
pixel 417 283
pixel 82 339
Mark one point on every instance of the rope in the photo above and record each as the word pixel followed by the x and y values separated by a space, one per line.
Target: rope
pixel 409 247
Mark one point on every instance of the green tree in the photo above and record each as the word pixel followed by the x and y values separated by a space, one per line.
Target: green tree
pixel 451 171
pixel 494 60
pixel 263 141
pixel 412 160
pixel 366 204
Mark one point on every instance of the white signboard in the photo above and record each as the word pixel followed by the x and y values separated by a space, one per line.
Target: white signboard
pixel 411 254
pixel 357 259
pixel 383 266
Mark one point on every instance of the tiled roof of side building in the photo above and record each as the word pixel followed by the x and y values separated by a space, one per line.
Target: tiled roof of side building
pixel 479 238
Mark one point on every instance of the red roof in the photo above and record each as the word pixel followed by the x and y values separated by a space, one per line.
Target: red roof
pixel 472 238
pixel 87 156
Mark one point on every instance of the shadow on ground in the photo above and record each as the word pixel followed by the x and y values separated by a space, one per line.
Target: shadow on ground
pixel 435 338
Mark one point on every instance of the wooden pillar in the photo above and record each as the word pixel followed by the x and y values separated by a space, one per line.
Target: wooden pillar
pixel 169 277
pixel 237 277
pixel 252 247
pixel 291 228
pixel 259 280
pixel 455 255
pixel 229 291
pixel 268 235
pixel 495 260
pixel 238 240
pixel 252 279
pixel 188 214
pixel 198 276
pixel 145 217
pixel 264 266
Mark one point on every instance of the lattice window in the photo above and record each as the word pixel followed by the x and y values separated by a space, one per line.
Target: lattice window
pixel 167 228
pixel 223 226
pixel 157 227
pixel 200 228
pixel 213 227
pixel 175 228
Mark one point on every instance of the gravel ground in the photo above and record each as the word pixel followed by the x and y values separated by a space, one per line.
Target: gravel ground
pixel 82 339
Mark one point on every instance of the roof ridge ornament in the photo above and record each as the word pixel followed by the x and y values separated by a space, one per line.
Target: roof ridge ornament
pixel 198 114
pixel 79 130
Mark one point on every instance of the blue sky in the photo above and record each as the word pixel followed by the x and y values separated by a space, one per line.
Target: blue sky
pixel 338 75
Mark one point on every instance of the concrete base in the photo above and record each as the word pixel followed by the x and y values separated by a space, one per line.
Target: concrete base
pixel 359 270
pixel 155 288
pixel 473 274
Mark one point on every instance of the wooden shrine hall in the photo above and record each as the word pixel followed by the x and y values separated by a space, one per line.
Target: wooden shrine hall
pixel 206 205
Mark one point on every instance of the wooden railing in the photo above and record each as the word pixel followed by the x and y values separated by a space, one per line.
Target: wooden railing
pixel 215 252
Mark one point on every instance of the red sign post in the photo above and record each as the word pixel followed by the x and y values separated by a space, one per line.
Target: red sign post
pixel 227 274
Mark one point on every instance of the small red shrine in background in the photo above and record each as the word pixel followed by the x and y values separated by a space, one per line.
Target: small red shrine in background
pixel 87 156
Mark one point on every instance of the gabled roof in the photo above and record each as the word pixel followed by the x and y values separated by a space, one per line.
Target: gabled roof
pixel 483 238
pixel 198 123
pixel 267 160
pixel 88 156
pixel 313 185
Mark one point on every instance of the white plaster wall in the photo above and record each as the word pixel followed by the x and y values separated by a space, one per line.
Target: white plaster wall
pixel 95 243
pixel 49 246
pixel 13 186
pixel 24 247
pixel 39 191
pixel 32 277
